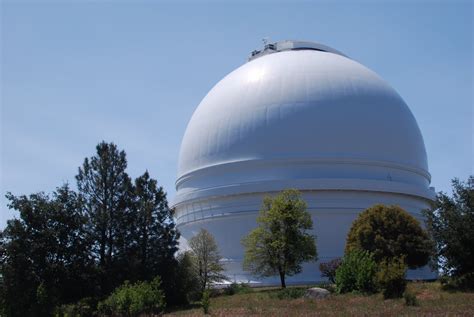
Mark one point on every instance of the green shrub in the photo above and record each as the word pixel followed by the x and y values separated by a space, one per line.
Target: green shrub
pixel 391 277
pixel 458 283
pixel 237 288
pixel 290 293
pixel 83 308
pixel 356 273
pixel 206 301
pixel 135 299
pixel 410 299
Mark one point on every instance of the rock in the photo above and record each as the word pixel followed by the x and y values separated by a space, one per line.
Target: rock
pixel 317 293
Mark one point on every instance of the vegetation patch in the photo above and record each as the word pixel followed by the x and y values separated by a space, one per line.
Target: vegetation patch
pixel 134 300
pixel 289 293
pixel 265 302
pixel 237 288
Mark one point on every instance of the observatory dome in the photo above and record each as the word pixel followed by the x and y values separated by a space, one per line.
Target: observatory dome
pixel 299 115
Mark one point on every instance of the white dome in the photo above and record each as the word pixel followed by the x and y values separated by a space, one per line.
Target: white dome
pixel 298 115
pixel 301 105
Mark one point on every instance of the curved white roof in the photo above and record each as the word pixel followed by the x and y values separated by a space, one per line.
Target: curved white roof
pixel 294 106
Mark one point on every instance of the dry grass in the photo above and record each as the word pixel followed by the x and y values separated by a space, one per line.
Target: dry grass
pixel 432 302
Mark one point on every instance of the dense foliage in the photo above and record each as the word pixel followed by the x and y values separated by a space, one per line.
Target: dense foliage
pixel 328 269
pixel 357 273
pixel 206 301
pixel 72 245
pixel 45 254
pixel 206 259
pixel 390 232
pixel 134 299
pixel 184 280
pixel 290 293
pixel 237 288
pixel 85 307
pixel 281 242
pixel 391 277
pixel 463 282
pixel 451 224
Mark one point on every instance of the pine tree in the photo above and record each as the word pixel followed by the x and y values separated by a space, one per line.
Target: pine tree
pixel 154 236
pixel 105 189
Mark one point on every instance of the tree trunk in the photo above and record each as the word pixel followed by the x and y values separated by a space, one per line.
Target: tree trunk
pixel 282 279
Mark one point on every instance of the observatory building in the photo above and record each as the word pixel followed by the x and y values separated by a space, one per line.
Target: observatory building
pixel 298 115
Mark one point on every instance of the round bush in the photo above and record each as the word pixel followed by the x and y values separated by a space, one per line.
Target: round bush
pixel 389 232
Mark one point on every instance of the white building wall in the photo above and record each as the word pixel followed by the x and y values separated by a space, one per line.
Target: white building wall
pixel 230 218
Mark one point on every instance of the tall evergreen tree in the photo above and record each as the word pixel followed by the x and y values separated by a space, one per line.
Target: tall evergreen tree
pixel 154 234
pixel 105 188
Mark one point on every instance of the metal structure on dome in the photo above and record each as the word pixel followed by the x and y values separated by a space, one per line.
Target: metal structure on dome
pixel 288 45
pixel 298 115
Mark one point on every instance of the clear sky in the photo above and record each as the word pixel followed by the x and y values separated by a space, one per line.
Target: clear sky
pixel 75 73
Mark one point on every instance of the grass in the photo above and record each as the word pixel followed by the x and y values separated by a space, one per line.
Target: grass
pixel 432 301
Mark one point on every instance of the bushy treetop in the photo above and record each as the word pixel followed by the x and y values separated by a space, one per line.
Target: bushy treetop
pixel 389 232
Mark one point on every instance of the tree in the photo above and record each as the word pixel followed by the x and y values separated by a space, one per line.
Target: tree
pixel 44 256
pixel 185 282
pixel 68 246
pixel 328 269
pixel 281 242
pixel 451 224
pixel 154 236
pixel 206 259
pixel 105 189
pixel 390 232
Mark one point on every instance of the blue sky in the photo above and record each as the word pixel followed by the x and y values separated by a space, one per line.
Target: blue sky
pixel 76 73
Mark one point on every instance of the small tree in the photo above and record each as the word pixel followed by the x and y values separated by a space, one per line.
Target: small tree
pixel 328 269
pixel 451 224
pixel 280 243
pixel 206 258
pixel 389 232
